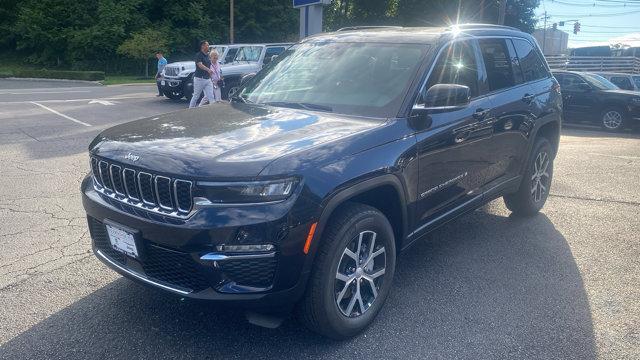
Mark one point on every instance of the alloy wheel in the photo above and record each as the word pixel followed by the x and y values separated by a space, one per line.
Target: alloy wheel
pixel 612 119
pixel 540 177
pixel 360 274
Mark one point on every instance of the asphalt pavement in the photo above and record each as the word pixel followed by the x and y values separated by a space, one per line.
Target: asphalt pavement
pixel 563 284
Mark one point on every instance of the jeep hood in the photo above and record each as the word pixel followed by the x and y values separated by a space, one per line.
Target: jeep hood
pixel 223 140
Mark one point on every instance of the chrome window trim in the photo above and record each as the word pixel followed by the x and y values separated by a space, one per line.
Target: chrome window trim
pixel 155 183
pixel 121 179
pixel 144 201
pixel 175 194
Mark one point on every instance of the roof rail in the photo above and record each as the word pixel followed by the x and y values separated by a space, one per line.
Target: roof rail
pixel 368 27
pixel 492 26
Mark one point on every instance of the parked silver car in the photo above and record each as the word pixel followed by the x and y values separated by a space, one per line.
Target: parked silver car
pixel 623 81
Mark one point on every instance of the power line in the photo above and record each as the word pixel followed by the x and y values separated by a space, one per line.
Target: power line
pixel 596 14
pixel 593 4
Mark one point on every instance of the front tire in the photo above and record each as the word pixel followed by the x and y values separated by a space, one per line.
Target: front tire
pixel 612 119
pixel 535 186
pixel 352 273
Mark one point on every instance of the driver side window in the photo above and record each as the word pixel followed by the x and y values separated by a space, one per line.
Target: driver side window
pixel 572 83
pixel 456 65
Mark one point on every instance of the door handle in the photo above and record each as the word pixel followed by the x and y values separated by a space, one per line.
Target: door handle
pixel 528 98
pixel 481 113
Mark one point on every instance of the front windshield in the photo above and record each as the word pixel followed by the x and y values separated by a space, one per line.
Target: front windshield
pixel 367 79
pixel 218 49
pixel 599 82
pixel 248 53
pixel 636 80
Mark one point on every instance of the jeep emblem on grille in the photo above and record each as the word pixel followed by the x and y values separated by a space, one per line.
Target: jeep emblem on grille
pixel 132 157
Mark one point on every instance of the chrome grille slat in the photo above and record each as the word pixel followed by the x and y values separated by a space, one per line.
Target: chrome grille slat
pixel 149 199
pixel 130 184
pixel 176 195
pixel 155 193
pixel 165 183
pixel 105 179
pixel 116 179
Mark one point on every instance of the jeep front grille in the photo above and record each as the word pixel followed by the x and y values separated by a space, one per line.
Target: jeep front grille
pixel 171 71
pixel 148 191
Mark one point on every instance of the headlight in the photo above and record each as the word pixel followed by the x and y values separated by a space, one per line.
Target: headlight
pixel 247 192
pixel 184 73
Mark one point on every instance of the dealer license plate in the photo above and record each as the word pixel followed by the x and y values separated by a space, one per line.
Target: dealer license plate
pixel 122 241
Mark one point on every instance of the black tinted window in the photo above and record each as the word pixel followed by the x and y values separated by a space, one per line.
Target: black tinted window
pixel 571 82
pixel 532 66
pixel 498 63
pixel 273 51
pixel 456 65
pixel 622 82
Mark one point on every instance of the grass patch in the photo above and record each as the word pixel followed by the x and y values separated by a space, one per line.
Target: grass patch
pixel 124 79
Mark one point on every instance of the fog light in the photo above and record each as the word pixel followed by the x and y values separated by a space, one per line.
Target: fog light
pixel 244 248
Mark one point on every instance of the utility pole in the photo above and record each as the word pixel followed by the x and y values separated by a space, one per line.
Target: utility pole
pixel 544 38
pixel 502 12
pixel 230 21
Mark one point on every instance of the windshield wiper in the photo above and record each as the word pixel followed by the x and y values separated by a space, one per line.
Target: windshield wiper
pixel 300 105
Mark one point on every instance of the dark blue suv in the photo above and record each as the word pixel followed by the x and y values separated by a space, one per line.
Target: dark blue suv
pixel 302 191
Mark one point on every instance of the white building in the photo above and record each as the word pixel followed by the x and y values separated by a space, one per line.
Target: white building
pixel 552 41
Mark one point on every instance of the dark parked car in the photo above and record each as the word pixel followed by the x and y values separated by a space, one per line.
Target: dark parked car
pixel 301 193
pixel 591 98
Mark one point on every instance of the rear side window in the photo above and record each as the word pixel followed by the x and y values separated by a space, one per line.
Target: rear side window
pixel 230 55
pixel 622 82
pixel 532 66
pixel 498 63
pixel 456 65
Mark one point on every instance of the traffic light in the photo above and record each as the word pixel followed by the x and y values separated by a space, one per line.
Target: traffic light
pixel 576 27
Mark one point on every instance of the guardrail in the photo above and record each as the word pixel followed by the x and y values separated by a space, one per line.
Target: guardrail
pixel 621 64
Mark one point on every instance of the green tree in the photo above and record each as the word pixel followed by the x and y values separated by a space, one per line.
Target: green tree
pixel 143 45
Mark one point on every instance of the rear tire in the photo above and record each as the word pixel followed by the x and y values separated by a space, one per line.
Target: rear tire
pixel 612 119
pixel 352 273
pixel 534 188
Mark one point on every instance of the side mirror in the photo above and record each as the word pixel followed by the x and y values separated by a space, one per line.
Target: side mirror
pixel 447 95
pixel 246 78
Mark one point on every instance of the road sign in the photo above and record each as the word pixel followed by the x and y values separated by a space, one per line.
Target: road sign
pixel 301 3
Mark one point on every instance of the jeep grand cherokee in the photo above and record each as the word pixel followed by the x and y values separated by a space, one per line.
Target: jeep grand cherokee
pixel 338 155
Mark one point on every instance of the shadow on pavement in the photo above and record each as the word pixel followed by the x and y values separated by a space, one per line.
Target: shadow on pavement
pixel 596 132
pixel 484 286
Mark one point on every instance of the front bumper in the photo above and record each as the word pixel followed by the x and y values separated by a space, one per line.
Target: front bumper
pixel 176 85
pixel 180 256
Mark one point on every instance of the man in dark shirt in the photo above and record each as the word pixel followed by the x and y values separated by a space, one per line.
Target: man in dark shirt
pixel 202 76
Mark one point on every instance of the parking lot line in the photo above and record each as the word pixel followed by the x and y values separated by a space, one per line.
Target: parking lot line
pixel 42 92
pixel 60 114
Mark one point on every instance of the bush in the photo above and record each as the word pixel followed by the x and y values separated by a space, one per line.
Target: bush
pixel 58 74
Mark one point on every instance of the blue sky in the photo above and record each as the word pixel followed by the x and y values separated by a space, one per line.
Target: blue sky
pixel 600 20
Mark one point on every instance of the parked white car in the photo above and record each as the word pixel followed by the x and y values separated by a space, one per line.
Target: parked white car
pixel 236 61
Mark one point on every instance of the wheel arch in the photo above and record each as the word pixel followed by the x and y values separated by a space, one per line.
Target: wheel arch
pixel 385 193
